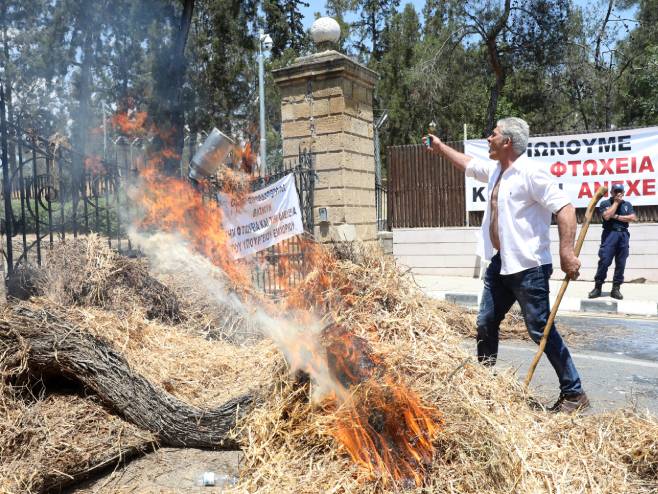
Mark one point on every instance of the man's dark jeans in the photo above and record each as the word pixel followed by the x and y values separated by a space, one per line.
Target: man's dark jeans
pixel 530 288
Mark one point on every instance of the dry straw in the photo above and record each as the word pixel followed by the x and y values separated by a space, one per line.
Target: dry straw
pixel 491 441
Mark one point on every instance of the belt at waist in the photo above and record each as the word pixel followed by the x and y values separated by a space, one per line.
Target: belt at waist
pixel 616 229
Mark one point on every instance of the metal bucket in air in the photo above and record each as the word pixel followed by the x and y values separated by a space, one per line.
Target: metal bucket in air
pixel 211 155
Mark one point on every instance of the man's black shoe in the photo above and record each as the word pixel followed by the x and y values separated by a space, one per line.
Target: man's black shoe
pixel 615 293
pixel 596 293
pixel 570 403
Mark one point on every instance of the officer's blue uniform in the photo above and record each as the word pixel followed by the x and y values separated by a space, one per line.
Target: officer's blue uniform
pixel 614 243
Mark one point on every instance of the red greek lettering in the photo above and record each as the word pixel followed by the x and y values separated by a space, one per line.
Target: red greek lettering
pixel 574 167
pixel 646 164
pixel 558 168
pixel 633 188
pixel 606 166
pixel 622 165
pixel 585 191
pixel 592 165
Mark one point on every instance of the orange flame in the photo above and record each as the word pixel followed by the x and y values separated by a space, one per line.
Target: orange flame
pixel 386 430
pixel 130 123
pixel 380 423
pixel 245 158
pixel 173 205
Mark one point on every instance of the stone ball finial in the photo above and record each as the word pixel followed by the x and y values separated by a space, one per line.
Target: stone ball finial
pixel 325 33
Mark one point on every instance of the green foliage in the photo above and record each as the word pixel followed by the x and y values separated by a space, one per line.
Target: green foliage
pixel 221 89
pixel 338 9
pixel 639 85
pixel 96 218
pixel 374 19
pixel 447 80
pixel 643 91
pixel 559 64
pixel 283 19
pixel 405 122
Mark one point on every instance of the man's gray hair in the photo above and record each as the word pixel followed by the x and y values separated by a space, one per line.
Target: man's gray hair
pixel 517 130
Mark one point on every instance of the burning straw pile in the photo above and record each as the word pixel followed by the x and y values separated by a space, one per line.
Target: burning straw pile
pixel 89 369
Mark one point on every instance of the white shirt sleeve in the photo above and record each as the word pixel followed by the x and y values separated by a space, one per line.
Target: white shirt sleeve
pixel 479 170
pixel 545 191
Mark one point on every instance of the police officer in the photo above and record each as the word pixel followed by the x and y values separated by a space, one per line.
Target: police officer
pixel 616 214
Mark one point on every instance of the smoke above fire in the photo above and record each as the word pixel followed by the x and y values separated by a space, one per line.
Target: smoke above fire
pixel 170 254
pixel 379 422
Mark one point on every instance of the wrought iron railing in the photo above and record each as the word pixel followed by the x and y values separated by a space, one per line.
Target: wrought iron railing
pixel 49 192
pixel 47 197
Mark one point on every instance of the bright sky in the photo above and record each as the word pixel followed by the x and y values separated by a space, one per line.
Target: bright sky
pixel 318 6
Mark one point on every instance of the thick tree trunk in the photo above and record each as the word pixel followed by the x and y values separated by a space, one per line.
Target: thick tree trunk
pixel 171 98
pixel 53 345
pixel 11 148
pixel 497 66
pixel 492 107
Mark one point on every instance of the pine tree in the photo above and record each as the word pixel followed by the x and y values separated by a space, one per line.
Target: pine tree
pixel 27 70
pixel 374 18
pixel 512 35
pixel 223 69
pixel 284 24
pixel 296 33
pixel 338 10
pixel 638 98
pixel 395 86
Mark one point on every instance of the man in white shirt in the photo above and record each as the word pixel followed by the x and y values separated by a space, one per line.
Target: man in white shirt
pixel 515 237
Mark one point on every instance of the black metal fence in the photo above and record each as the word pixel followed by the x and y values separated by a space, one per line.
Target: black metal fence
pixel 50 193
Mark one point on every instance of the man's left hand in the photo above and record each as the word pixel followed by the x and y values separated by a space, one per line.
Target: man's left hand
pixel 570 264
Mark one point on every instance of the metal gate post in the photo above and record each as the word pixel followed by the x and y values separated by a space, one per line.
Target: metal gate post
pixel 6 184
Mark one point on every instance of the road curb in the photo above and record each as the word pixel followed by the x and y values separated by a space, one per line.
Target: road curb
pixel 568 304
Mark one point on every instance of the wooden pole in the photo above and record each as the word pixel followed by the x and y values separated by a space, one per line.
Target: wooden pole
pixel 579 243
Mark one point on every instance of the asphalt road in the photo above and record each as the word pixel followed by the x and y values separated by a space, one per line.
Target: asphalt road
pixel 617 359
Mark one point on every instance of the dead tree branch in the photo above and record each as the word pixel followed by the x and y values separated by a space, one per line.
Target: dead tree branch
pixel 51 344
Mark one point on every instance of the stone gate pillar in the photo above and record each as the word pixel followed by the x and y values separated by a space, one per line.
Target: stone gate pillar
pixel 326 106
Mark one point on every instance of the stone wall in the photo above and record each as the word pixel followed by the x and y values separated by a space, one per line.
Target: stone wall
pixel 450 251
pixel 326 106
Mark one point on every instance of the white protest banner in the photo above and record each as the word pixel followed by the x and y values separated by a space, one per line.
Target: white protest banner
pixel 581 163
pixel 263 218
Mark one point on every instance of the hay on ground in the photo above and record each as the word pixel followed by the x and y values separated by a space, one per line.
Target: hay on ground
pixel 86 272
pixel 490 441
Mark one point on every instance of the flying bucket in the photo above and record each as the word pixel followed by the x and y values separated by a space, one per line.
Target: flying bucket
pixel 211 155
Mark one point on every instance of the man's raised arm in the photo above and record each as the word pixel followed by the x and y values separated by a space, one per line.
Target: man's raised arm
pixel 460 160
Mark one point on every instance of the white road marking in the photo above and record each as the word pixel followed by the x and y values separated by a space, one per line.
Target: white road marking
pixel 639 363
